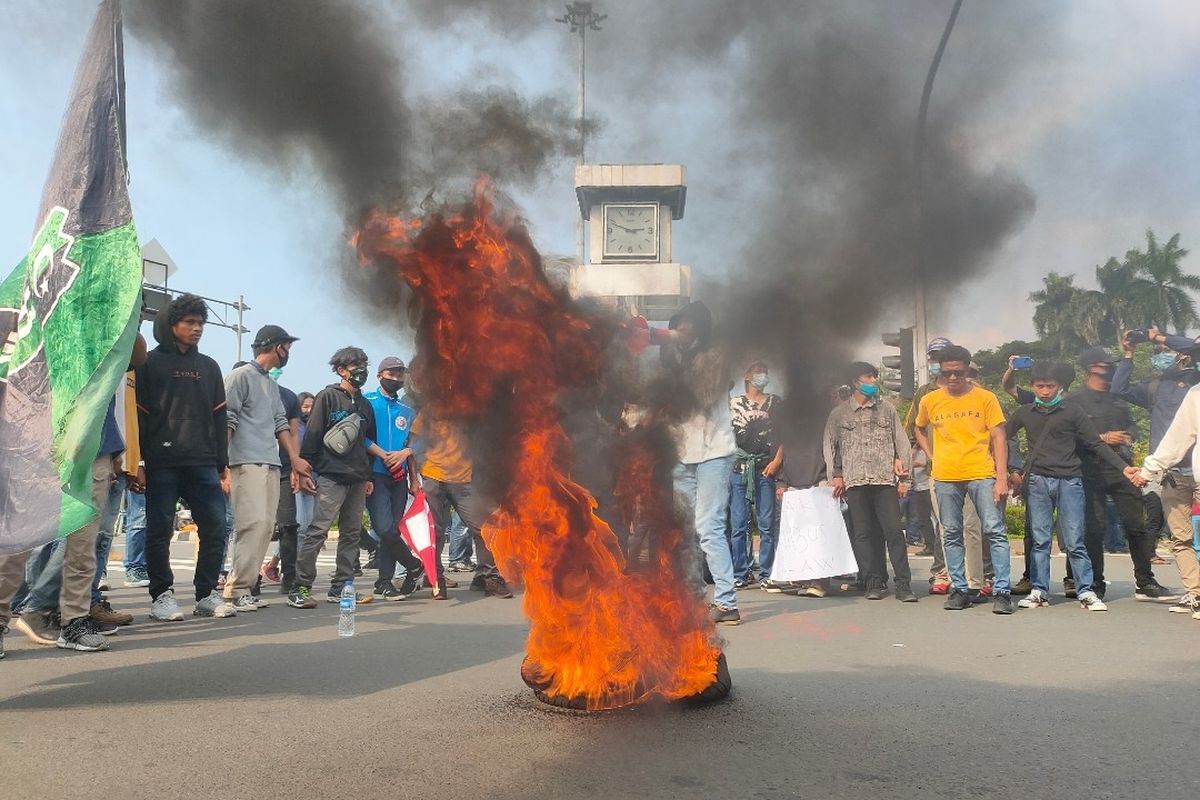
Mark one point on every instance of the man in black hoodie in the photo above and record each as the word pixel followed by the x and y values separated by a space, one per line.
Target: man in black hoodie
pixel 343 479
pixel 181 419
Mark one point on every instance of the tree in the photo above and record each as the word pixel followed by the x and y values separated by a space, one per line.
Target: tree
pixel 1169 303
pixel 1066 317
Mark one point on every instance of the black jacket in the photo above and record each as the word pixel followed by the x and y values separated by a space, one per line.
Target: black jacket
pixel 181 406
pixel 1107 413
pixel 330 405
pixel 1069 434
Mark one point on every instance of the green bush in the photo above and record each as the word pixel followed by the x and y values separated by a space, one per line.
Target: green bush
pixel 1014 520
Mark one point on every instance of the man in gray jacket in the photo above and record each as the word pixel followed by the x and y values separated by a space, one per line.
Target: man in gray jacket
pixel 258 428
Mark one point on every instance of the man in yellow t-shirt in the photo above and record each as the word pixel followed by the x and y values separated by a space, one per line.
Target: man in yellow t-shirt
pixel 972 455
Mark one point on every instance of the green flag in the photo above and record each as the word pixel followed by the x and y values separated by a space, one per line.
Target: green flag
pixel 69 311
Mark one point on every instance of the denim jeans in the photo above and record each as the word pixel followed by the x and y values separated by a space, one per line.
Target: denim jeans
pixel 739 523
pixel 304 514
pixel 1065 494
pixel 460 541
pixel 385 506
pixel 950 497
pixel 108 525
pixel 135 531
pixel 200 488
pixel 704 488
pixel 44 571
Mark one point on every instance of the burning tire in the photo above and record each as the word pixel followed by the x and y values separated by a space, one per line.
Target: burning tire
pixel 718 689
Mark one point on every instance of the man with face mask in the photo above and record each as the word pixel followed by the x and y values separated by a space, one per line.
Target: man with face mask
pixel 1163 396
pixel 390 475
pixel 867 457
pixel 343 479
pixel 756 460
pixel 1058 436
pixel 1111 416
pixel 258 429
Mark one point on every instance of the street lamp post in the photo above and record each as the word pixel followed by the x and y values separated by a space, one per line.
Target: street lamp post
pixel 581 18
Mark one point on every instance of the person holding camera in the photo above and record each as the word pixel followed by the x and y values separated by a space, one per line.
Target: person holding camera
pixel 335 445
pixel 1164 395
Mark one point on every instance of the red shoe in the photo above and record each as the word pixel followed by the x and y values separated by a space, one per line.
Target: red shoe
pixel 270 575
pixel 986 590
pixel 939 588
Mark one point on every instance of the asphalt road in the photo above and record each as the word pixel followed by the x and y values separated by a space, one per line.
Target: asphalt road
pixel 833 698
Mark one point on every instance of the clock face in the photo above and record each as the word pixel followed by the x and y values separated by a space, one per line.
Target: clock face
pixel 631 231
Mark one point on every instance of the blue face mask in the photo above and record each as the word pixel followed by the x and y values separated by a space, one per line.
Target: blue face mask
pixel 1162 361
pixel 935 370
pixel 760 380
pixel 1051 403
pixel 869 390
pixel 274 373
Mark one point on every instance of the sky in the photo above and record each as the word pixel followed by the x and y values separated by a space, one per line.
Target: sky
pixel 1100 123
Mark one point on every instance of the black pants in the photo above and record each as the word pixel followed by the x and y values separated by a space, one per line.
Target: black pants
pixel 386 506
pixel 920 521
pixel 200 488
pixel 1156 520
pixel 442 497
pixel 1131 510
pixel 287 530
pixel 875 511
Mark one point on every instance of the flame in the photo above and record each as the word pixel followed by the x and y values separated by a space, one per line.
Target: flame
pixel 494 331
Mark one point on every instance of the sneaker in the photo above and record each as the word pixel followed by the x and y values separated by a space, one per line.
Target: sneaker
pixel 957 601
pixel 724 616
pixel 105 628
pixel 165 609
pixel 1036 599
pixel 1069 587
pixel 939 587
pixel 216 606
pixel 81 634
pixel 1092 602
pixel 977 596
pixel 923 553
pixel 388 592
pixel 986 590
pixel 103 612
pixel 301 597
pixel 1154 591
pixel 773 587
pixel 814 590
pixel 905 595
pixel 1188 604
pixel 103 584
pixel 270 575
pixel 750 582
pixel 495 586
pixel 408 586
pixel 42 627
pixel 260 601
pixel 875 593
pixel 460 566
pixel 243 603
pixel 1002 603
pixel 135 579
pixel 360 598
pixel 1022 586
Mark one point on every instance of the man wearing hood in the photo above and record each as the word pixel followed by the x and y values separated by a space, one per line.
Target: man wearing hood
pixel 706 445
pixel 182 425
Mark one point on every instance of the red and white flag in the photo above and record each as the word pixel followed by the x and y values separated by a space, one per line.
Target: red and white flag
pixel 420 534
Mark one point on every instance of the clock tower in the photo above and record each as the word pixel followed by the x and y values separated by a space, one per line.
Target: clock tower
pixel 628 210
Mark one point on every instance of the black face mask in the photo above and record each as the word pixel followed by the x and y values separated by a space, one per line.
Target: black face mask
pixel 357 377
pixel 283 356
pixel 391 385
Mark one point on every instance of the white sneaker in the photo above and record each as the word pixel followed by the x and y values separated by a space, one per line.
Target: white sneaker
pixel 260 601
pixel 244 603
pixel 165 609
pixel 1092 602
pixel 213 606
pixel 1035 599
pixel 1188 604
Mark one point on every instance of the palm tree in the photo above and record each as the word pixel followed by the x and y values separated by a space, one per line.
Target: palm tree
pixel 1129 297
pixel 1172 307
pixel 1057 313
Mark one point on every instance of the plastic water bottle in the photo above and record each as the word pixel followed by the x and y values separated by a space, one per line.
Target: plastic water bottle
pixel 348 603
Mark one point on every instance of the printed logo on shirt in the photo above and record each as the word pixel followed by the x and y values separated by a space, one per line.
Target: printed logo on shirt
pixel 948 415
pixel 181 373
pixel 401 423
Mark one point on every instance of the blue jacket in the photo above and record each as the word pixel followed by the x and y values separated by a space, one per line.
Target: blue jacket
pixel 393 420
pixel 1162 395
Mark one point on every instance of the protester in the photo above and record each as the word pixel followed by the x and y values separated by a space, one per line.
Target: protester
pixel 706 448
pixel 1054 476
pixel 1175 360
pixel 866 454
pixel 304 499
pixel 969 455
pixel 1100 481
pixel 756 460
pixel 390 481
pixel 184 440
pixel 258 429
pixel 341 418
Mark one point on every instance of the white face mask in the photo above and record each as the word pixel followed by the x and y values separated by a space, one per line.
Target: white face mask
pixel 760 380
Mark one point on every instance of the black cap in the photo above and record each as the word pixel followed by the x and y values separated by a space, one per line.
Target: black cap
pixel 270 335
pixel 1097 355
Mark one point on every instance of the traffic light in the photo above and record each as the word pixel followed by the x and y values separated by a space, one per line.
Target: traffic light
pixel 904 363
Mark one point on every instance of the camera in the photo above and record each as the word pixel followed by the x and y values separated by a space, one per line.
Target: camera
pixel 1138 336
